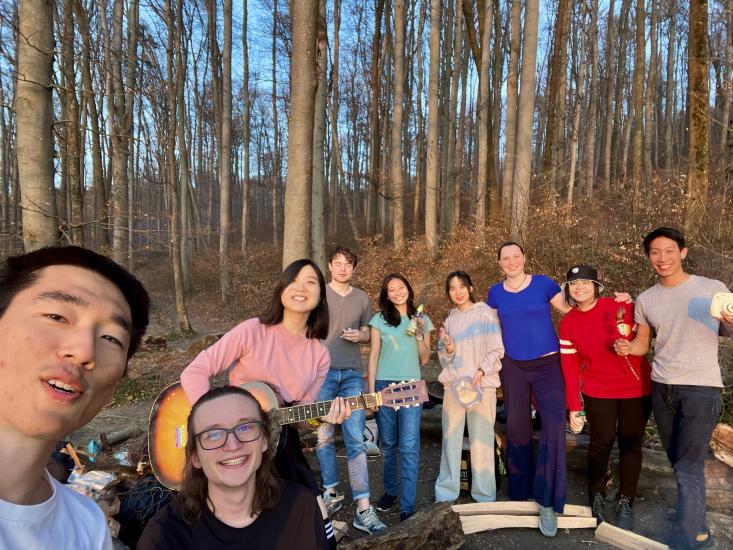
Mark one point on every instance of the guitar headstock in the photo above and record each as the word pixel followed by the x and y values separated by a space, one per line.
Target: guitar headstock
pixel 405 394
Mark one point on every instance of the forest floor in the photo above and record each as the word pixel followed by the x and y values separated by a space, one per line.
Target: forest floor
pixel 590 234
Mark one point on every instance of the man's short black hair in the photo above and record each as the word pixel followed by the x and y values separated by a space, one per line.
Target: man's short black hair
pixel 345 252
pixel 670 232
pixel 19 272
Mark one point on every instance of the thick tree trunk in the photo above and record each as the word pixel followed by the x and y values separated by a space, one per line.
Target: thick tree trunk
pixel 525 118
pixel 303 84
pixel 432 172
pixel 699 94
pixel 34 115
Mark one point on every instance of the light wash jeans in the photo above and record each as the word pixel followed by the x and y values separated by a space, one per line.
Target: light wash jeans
pixel 481 420
pixel 399 430
pixel 344 383
pixel 686 417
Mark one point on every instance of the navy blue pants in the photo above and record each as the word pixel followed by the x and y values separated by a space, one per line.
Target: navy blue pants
pixel 543 477
pixel 686 417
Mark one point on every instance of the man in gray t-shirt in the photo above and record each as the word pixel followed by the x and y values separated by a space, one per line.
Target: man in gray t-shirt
pixel 686 378
pixel 349 312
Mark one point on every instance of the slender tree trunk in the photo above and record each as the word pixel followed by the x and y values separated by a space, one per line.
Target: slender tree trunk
pixel 651 92
pixel 398 206
pixel 638 105
pixel 450 196
pixel 303 84
pixel 592 124
pixel 318 222
pixel 608 132
pixel 181 190
pixel 432 166
pixel 483 123
pixel 699 94
pixel 525 118
pixel 374 134
pixel 728 103
pixel 277 164
pixel 34 116
pixel 511 112
pixel 225 163
pixel 579 107
pixel 669 91
pixel 617 142
pixel 246 108
pixel 460 141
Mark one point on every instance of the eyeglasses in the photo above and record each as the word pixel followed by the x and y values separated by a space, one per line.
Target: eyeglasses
pixel 217 437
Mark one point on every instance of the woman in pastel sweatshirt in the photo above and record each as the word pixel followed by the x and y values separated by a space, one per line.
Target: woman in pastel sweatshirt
pixel 471 348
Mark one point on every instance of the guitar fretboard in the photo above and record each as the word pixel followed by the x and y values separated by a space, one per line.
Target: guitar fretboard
pixel 299 413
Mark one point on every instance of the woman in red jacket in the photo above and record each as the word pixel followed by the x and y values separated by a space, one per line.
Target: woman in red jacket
pixel 610 391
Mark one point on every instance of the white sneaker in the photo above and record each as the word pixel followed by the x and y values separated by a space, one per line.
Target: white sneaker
pixel 368 521
pixel 332 502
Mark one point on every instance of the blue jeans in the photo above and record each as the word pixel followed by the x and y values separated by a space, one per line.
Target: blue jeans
pixel 400 430
pixel 344 383
pixel 686 417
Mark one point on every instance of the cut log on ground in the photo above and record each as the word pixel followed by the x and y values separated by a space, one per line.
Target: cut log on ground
pixel 488 522
pixel 340 528
pixel 516 509
pixel 434 528
pixel 722 443
pixel 626 540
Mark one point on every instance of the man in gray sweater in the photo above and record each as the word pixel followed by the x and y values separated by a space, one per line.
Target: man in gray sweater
pixel 686 378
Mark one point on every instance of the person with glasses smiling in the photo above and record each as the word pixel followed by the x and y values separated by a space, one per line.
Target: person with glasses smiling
pixel 231 496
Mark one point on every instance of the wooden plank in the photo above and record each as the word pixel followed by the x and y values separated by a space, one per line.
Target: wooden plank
pixel 517 508
pixel 722 443
pixel 488 522
pixel 340 528
pixel 626 540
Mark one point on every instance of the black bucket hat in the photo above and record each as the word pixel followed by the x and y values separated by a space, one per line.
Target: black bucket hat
pixel 582 272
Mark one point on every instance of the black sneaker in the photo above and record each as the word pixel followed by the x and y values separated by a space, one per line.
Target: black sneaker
pixel 598 506
pixel 624 514
pixel 406 515
pixel 385 503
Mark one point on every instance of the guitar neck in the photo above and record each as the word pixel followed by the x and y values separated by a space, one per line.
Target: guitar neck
pixel 300 413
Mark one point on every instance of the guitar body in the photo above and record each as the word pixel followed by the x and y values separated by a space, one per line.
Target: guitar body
pixel 167 433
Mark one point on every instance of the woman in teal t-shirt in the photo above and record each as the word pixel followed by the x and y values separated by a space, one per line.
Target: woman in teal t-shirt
pixel 396 356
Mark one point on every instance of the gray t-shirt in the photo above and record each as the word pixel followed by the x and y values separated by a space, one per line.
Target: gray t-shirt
pixel 351 311
pixel 686 351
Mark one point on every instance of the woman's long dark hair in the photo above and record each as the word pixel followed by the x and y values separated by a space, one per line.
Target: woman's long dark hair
pixel 195 490
pixel 389 311
pixel 465 278
pixel 318 318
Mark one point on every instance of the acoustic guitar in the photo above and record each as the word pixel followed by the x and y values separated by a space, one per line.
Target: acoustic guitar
pixel 167 434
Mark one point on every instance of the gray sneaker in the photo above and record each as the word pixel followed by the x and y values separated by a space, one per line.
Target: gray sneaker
pixel 368 521
pixel 548 521
pixel 332 502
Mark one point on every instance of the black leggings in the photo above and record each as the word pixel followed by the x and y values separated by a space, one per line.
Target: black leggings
pixel 609 419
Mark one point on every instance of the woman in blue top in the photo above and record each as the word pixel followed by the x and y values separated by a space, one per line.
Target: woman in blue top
pixel 531 367
pixel 396 356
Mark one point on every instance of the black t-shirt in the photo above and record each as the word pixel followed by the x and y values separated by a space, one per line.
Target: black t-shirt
pixel 295 522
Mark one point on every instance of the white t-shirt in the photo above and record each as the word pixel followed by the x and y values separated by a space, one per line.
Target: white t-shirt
pixel 66 520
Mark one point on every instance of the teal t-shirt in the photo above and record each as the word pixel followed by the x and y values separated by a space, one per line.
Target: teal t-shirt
pixel 398 356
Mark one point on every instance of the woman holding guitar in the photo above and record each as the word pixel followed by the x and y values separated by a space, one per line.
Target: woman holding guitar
pixel 282 348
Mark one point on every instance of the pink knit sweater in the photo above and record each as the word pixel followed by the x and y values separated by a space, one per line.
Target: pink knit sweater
pixel 295 365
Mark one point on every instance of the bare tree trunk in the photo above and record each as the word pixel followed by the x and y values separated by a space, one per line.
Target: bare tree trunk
pixel 592 124
pixel 34 116
pixel 651 92
pixel 699 94
pixel 638 105
pixel 246 108
pixel 460 140
pixel 71 127
pixel 484 134
pixel 511 112
pixel 225 163
pixel 525 118
pixel 432 171
pixel 579 107
pixel 669 92
pixel 318 222
pixel 727 105
pixel 398 206
pixel 182 190
pixel 277 164
pixel 450 195
pixel 303 84
pixel 617 141
pixel 608 132
pixel 421 145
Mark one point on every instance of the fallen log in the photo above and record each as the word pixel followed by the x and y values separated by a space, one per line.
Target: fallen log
pixel 488 522
pixel 722 443
pixel 626 540
pixel 434 528
pixel 516 508
pixel 112 438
